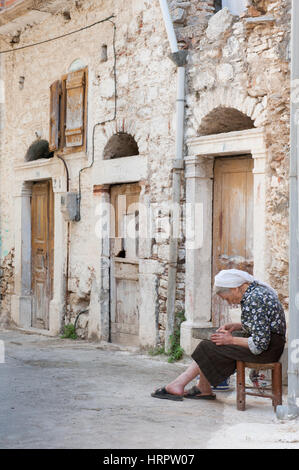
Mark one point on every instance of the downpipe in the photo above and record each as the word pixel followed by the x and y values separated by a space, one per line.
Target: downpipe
pixel 291 410
pixel 68 237
pixel 179 57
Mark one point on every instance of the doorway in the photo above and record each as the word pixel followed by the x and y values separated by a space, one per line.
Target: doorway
pixel 42 252
pixel 124 273
pixel 199 175
pixel 232 221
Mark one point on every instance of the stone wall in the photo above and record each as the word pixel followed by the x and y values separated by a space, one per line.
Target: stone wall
pixel 243 63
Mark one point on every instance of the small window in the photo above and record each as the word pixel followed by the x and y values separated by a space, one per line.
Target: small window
pixel 236 7
pixel 68 105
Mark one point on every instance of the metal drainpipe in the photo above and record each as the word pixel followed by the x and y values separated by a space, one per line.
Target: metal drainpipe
pixel 291 410
pixel 179 58
pixel 68 241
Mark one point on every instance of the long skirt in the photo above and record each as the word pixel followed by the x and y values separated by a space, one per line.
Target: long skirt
pixel 217 363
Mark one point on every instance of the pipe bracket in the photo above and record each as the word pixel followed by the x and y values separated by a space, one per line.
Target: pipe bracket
pixel 179 58
pixel 178 164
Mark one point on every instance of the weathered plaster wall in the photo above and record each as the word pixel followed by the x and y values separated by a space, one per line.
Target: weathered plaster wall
pixel 146 90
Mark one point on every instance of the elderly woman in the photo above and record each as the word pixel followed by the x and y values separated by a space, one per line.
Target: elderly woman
pixel 262 324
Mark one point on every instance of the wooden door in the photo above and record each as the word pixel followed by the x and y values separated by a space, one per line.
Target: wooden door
pixel 232 219
pixel 42 252
pixel 124 275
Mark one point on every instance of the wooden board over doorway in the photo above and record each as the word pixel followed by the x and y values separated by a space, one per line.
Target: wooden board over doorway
pixel 124 272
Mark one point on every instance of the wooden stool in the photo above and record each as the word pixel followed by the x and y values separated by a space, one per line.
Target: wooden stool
pixel 276 394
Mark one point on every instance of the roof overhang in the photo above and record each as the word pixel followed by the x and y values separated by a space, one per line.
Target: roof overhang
pixel 26 12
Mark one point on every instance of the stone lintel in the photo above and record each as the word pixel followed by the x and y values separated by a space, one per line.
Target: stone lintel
pixel 101 188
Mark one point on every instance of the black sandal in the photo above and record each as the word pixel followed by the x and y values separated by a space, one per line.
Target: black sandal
pixel 196 394
pixel 164 395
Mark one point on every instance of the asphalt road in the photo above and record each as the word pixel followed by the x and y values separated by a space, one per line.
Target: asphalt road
pixel 57 394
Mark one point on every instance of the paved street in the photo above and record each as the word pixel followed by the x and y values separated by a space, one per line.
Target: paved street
pixel 72 394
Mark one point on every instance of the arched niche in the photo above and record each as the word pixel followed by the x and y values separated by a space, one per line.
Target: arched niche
pixel 222 119
pixel 121 145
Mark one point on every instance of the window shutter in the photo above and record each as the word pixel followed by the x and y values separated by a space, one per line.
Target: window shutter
pixel 54 134
pixel 75 104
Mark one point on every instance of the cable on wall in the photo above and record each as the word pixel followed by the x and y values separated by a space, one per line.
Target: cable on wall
pixel 57 37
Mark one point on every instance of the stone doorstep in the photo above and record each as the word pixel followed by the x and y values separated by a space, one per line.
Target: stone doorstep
pixel 104 345
pixel 35 331
pixel 203 333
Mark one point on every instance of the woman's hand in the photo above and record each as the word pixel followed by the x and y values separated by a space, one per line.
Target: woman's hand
pixel 230 327
pixel 222 337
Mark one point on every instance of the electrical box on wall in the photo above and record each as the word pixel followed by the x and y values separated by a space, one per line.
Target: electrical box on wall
pixel 70 206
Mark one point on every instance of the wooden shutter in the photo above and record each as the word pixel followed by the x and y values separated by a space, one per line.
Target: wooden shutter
pixel 75 109
pixel 54 134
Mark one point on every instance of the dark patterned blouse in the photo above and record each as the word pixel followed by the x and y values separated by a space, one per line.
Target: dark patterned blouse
pixel 262 314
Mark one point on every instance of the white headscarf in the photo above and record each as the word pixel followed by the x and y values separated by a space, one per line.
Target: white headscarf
pixel 231 278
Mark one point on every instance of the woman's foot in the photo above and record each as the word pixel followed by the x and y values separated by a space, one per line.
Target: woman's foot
pixel 165 395
pixel 196 393
pixel 175 388
pixel 195 389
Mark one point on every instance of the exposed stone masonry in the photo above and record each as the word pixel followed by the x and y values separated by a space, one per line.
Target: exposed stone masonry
pixel 6 288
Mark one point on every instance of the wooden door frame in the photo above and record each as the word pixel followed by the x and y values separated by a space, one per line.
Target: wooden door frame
pixel 115 260
pixel 43 188
pixel 228 166
pixel 236 165
pixel 150 270
pixel 25 175
pixel 199 192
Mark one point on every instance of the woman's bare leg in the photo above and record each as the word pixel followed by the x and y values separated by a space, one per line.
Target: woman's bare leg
pixel 177 386
pixel 203 385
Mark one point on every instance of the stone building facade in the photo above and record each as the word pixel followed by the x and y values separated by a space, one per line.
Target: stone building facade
pixel 118 74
